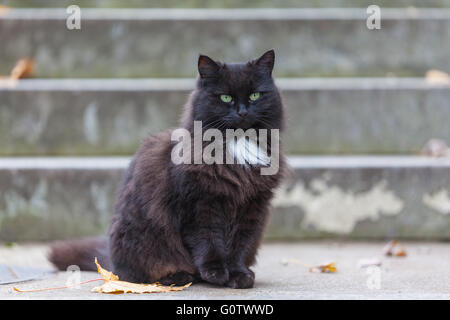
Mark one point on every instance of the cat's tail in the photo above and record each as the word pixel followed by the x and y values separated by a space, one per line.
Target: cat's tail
pixel 80 252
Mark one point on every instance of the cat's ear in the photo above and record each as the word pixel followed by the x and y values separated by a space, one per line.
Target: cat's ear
pixel 266 61
pixel 207 67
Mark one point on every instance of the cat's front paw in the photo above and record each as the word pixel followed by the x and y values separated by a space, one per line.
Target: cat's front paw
pixel 179 279
pixel 215 275
pixel 241 279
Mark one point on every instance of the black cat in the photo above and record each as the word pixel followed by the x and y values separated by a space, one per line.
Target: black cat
pixel 180 223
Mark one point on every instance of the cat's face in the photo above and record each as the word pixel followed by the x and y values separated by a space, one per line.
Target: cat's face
pixel 237 95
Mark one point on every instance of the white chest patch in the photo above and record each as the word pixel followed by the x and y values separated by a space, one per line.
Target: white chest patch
pixel 247 152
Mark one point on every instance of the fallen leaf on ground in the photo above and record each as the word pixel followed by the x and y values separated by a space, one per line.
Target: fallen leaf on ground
pixel 23 68
pixel 437 77
pixel 107 275
pixel 393 249
pixel 323 268
pixel 114 285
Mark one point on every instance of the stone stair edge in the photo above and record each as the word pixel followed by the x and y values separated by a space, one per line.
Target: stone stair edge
pixel 187 84
pixel 295 161
pixel 225 14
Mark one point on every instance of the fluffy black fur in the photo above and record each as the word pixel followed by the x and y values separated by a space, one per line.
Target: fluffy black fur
pixel 193 222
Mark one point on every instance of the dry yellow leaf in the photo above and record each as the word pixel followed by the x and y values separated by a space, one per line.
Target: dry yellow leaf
pixel 23 68
pixel 128 287
pixel 107 275
pixel 114 285
pixel 394 249
pixel 324 268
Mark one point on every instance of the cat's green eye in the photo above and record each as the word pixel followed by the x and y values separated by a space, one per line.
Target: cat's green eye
pixel 226 98
pixel 254 96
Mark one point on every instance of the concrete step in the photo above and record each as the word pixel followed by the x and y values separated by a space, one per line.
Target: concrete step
pixel 166 42
pixel 225 4
pixel 348 197
pixel 103 117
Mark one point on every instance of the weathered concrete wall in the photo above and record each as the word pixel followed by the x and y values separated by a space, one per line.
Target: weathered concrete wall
pixel 101 117
pixel 166 43
pixel 403 197
pixel 52 204
pixel 348 197
pixel 83 123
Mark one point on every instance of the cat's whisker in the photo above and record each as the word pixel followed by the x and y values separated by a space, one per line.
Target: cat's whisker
pixel 211 124
pixel 264 122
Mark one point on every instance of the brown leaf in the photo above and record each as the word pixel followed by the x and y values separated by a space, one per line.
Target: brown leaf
pixel 107 275
pixel 324 268
pixel 393 249
pixel 114 285
pixel 23 68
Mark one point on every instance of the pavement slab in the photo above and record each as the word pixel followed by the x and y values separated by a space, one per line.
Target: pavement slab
pixel 422 274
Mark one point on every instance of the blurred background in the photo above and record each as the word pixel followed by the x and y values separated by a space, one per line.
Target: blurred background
pixel 368 109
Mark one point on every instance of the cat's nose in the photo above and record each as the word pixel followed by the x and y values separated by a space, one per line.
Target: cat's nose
pixel 242 111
